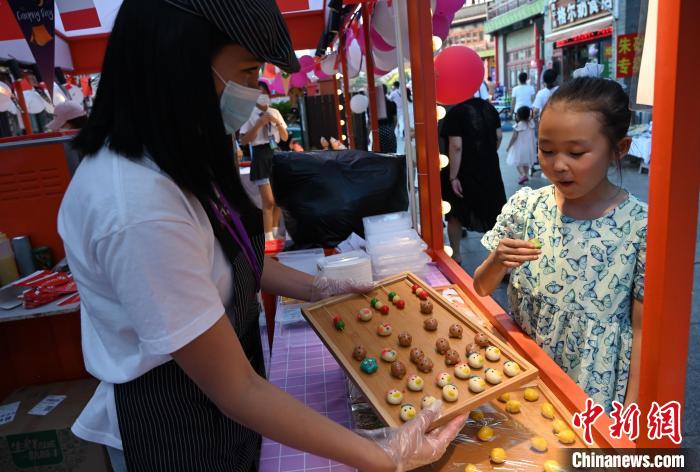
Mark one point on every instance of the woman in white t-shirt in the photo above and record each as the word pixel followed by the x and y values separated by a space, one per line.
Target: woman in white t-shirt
pixel 167 252
pixel 522 94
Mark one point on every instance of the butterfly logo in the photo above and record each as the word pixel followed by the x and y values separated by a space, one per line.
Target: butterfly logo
pixel 566 277
pixel 609 220
pixel 546 265
pixel 540 227
pixel 587 230
pixel 584 352
pixel 597 253
pixel 592 391
pixel 602 378
pixel 553 287
pixel 638 212
pixel 574 360
pixel 525 269
pixel 566 234
pixel 533 281
pixel 588 290
pixel 578 264
pixel 570 298
pixel 625 230
pixel 596 331
pixel 554 241
pixel 582 243
pixel 564 253
pixel 618 286
pixel 567 219
pixel 627 259
pixel 609 340
pixel 601 305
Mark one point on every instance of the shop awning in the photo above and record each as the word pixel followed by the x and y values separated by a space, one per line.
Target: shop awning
pixel 487 53
pixel 583 28
pixel 521 13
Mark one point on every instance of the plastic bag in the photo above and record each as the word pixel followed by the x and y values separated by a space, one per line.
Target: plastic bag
pixel 324 195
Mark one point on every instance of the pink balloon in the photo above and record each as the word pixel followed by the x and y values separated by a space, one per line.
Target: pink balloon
pixel 441 26
pixel 307 63
pixel 299 80
pixel 277 86
pixel 319 73
pixel 361 40
pixel 459 71
pixel 378 42
pixel 448 7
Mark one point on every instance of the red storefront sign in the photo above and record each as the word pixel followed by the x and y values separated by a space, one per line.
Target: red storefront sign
pixel 629 54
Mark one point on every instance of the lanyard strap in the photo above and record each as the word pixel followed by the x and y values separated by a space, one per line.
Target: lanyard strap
pixel 225 213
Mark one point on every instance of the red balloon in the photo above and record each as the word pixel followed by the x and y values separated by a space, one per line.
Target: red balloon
pixel 459 71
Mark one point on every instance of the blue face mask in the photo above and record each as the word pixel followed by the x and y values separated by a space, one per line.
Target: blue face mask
pixel 236 104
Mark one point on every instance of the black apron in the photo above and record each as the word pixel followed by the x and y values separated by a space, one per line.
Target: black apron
pixel 261 165
pixel 168 424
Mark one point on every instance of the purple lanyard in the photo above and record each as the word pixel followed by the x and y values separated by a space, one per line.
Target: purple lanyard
pixel 238 232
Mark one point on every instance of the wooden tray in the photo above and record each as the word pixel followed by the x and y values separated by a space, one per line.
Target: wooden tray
pixel 375 386
pixel 512 433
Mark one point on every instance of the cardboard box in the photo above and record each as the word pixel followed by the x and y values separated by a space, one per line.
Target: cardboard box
pixel 32 443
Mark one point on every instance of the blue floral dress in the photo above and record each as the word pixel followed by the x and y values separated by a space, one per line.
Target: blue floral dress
pixel 575 301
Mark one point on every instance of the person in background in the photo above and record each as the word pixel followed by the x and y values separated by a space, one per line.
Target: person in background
pixel 483 92
pixel 67 116
pixel 325 145
pixel 550 79
pixel 522 149
pixel 577 248
pixel 263 131
pixel 492 87
pixel 167 251
pixel 387 135
pixel 472 182
pixel 522 94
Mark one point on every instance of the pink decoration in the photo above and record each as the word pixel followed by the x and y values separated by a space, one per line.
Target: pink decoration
pixel 448 7
pixel 441 26
pixel 277 86
pixel 459 71
pixel 319 73
pixel 307 63
pixel 299 80
pixel 378 42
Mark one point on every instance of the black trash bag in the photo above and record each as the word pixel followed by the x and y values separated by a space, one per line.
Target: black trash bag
pixel 324 195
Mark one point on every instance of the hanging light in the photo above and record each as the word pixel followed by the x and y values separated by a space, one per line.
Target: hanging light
pixel 437 43
pixel 441 112
pixel 338 75
pixel 444 161
pixel 344 138
pixel 342 122
pixel 340 107
pixel 446 207
pixel 339 92
pixel 448 250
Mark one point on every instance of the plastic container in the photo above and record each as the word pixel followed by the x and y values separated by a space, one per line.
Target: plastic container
pixel 304 260
pixel 405 241
pixel 350 265
pixel 388 222
pixel 8 266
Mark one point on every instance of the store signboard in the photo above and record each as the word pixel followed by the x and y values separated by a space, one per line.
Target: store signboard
pixel 566 13
pixel 629 54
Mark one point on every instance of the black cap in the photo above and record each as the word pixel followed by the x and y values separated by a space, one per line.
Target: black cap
pixel 256 25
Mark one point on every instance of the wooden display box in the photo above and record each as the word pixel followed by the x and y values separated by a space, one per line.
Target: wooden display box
pixel 375 386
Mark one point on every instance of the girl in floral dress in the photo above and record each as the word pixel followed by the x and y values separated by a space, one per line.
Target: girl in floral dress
pixel 577 248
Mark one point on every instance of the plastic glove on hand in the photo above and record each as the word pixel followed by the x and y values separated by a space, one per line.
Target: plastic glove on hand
pixel 324 287
pixel 409 446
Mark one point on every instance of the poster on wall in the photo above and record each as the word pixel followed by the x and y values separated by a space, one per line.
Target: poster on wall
pixel 629 54
pixel 35 19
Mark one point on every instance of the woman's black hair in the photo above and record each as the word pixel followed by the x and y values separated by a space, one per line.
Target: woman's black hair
pixel 602 96
pixel 523 113
pixel 409 95
pixel 263 85
pixel 522 77
pixel 78 122
pixel 157 98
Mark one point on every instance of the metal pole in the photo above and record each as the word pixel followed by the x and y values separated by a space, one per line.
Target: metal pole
pixel 371 92
pixel 400 13
pixel 346 92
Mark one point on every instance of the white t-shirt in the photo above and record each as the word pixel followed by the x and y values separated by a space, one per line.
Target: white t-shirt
pixel 522 96
pixel 152 277
pixel 395 96
pixel 264 133
pixel 542 97
pixel 483 91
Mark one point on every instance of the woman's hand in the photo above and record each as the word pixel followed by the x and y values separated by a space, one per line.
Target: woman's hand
pixel 456 187
pixel 515 252
pixel 410 446
pixel 323 287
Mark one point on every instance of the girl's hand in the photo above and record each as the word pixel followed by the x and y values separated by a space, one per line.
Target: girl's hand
pixel 514 252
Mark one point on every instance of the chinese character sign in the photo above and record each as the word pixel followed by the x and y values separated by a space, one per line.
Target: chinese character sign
pixel 566 12
pixel 627 47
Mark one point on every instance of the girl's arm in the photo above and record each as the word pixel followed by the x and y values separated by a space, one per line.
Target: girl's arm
pixel 215 361
pixel 633 379
pixel 509 253
pixel 512 140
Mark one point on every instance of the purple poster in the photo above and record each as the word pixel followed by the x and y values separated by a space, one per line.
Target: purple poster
pixel 35 19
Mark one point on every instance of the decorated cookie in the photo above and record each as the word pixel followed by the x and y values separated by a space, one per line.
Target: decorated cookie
pixel 415 383
pixel 365 314
pixel 450 393
pixel 442 345
pixel 388 355
pixel 398 369
pixel 426 401
pixel 338 323
pixel 359 353
pixel 477 384
pixel 472 347
pixel 442 379
pixel 394 397
pixel 493 353
pixel 452 357
pixel 462 371
pixel 481 339
pixel 405 339
pixel 431 324
pixel 425 365
pixel 416 355
pixel 369 365
pixel 493 376
pixel 456 331
pixel 408 412
pixel 511 368
pixel 384 329
pixel 426 307
pixel 476 361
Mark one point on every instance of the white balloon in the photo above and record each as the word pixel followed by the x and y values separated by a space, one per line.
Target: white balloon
pixel 359 103
pixel 385 60
pixel 383 22
pixel 5 97
pixel 58 95
pixel 76 93
pixel 35 104
pixel 354 59
pixel 328 64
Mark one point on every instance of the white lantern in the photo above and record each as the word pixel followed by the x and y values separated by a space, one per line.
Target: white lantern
pixel 359 103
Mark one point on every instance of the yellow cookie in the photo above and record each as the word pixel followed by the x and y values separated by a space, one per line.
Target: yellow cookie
pixel 552 466
pixel 548 411
pixel 539 444
pixel 498 455
pixel 558 426
pixel 566 436
pixel 476 415
pixel 470 468
pixel 531 394
pixel 504 398
pixel 485 433
pixel 513 406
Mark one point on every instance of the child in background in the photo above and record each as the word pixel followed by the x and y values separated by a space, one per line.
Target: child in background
pixel 578 247
pixel 522 149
